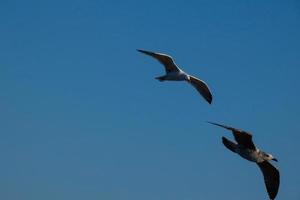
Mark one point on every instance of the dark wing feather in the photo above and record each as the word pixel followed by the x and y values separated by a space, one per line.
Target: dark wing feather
pixel 202 88
pixel 242 137
pixel 229 144
pixel 164 59
pixel 271 177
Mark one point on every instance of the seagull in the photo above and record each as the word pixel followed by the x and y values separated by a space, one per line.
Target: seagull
pixel 246 149
pixel 174 73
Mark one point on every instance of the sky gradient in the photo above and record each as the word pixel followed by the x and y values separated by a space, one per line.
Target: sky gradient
pixel 82 116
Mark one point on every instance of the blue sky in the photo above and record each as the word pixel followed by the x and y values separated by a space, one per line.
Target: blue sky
pixel 82 116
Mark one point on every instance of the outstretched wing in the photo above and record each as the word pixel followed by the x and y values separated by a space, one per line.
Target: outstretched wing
pixel 164 59
pixel 202 88
pixel 271 177
pixel 242 137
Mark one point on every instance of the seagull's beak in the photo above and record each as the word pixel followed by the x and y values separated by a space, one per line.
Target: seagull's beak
pixel 275 159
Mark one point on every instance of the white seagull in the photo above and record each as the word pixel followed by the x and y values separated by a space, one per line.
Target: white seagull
pixel 246 149
pixel 174 73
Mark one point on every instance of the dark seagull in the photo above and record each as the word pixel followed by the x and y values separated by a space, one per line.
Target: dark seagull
pixel 174 73
pixel 246 149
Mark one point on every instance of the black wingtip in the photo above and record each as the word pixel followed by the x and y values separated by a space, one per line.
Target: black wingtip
pixel 209 101
pixel 220 125
pixel 216 124
pixel 213 123
pixel 142 51
pixel 209 98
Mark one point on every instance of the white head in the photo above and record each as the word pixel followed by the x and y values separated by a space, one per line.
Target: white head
pixel 187 78
pixel 268 156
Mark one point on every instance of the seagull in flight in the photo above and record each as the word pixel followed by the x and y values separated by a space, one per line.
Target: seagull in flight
pixel 174 73
pixel 246 149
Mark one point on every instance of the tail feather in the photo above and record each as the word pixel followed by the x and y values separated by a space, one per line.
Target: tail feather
pixel 161 78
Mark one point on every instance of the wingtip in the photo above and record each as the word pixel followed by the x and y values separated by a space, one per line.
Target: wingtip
pixel 209 97
pixel 220 125
pixel 142 51
pixel 209 101
pixel 213 123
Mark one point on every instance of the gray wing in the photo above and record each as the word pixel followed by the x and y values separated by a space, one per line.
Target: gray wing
pixel 242 137
pixel 202 88
pixel 164 59
pixel 271 177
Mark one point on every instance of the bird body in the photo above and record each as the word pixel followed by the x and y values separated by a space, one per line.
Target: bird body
pixel 247 150
pixel 256 156
pixel 253 155
pixel 248 154
pixel 174 76
pixel 174 73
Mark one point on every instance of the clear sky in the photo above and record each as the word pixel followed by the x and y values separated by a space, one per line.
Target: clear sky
pixel 82 116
